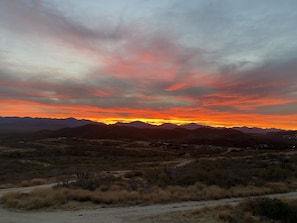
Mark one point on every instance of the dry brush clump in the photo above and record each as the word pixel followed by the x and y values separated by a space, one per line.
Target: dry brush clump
pixel 53 198
pixel 37 199
pixel 267 209
pixel 259 210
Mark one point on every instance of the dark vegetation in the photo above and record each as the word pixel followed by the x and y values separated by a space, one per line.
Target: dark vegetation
pixel 274 209
pixel 115 164
pixel 228 172
pixel 212 165
pixel 259 210
pixel 62 157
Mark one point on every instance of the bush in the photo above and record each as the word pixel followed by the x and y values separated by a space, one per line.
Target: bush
pixel 86 180
pixel 274 209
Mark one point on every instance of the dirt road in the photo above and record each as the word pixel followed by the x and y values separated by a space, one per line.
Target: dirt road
pixel 111 215
pixel 25 189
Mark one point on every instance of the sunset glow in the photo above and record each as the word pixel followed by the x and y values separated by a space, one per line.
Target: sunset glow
pixel 218 63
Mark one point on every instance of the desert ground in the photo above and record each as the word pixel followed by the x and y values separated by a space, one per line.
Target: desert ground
pixel 92 180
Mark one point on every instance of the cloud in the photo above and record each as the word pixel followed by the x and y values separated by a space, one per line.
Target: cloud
pixel 40 21
pixel 149 57
pixel 40 88
pixel 270 85
pixel 236 31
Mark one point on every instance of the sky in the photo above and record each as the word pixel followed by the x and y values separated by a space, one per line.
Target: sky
pixel 213 62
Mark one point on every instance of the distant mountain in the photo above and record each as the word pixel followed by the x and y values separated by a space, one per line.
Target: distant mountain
pixel 169 126
pixel 27 124
pixel 200 136
pixel 192 126
pixel 256 130
pixel 135 124
pixel 95 131
pixel 190 133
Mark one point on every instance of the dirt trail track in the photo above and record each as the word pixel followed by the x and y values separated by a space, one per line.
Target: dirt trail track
pixel 25 189
pixel 110 215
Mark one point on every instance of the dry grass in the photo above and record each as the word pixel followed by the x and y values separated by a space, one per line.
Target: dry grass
pixel 39 198
pixel 56 198
pixel 35 181
pixel 117 195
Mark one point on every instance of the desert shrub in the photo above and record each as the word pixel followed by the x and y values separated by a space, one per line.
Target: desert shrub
pixel 226 216
pixel 243 191
pixel 38 199
pixel 132 174
pixel 274 209
pixel 157 177
pixel 157 195
pixel 214 192
pixel 79 195
pixel 11 199
pixel 86 180
pixel 276 173
pixel 133 184
pixel 116 197
pixel 106 181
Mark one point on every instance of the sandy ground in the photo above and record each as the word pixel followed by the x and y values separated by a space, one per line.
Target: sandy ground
pixel 112 215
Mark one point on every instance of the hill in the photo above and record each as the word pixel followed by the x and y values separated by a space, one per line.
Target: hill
pixel 28 124
pixel 201 136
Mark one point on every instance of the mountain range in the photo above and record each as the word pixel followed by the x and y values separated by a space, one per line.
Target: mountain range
pixel 28 124
pixel 37 128
pixel 199 136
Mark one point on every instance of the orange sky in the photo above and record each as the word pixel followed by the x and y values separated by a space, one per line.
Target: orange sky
pixel 173 115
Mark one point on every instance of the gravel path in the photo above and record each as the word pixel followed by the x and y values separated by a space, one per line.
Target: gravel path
pixel 110 215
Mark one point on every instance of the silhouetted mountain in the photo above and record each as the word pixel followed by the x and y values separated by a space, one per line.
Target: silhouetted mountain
pixel 27 124
pixel 192 126
pixel 135 124
pixel 201 136
pixel 93 131
pixel 256 130
pixel 190 133
pixel 169 126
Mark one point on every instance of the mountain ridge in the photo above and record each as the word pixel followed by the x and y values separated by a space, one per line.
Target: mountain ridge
pixel 35 124
pixel 28 124
pixel 201 136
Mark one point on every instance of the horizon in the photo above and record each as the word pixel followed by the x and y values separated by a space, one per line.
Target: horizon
pixel 150 123
pixel 220 64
